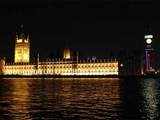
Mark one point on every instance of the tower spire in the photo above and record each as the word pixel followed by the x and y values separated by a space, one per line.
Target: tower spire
pixel 20 31
pixel 66 44
pixel 148 29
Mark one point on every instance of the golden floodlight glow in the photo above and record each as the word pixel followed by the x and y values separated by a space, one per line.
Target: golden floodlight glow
pixel 66 54
pixel 57 67
pixel 107 68
pixel 22 51
pixel 19 40
pixel 26 41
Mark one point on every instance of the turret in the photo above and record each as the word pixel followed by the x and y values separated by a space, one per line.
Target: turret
pixel 66 53
pixel 37 62
pixel 2 64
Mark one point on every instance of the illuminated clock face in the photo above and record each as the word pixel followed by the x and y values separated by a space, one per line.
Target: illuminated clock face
pixel 148 41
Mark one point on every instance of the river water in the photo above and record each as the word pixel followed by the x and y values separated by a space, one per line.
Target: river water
pixel 80 99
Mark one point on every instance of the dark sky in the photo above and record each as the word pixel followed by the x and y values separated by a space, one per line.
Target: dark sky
pixel 92 27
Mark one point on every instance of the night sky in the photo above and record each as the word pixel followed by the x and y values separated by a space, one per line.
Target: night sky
pixel 91 27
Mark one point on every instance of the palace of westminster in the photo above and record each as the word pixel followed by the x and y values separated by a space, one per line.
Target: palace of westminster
pixel 65 67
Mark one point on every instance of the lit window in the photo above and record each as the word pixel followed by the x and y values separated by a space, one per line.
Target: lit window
pixel 26 41
pixel 19 40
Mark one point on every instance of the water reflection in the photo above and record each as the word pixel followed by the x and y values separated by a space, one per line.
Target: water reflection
pixel 61 99
pixel 131 99
pixel 150 99
pixel 4 100
pixel 76 99
pixel 90 98
pixel 19 99
pixel 82 99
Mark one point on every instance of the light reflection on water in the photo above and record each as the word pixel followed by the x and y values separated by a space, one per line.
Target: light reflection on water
pixel 82 99
pixel 151 99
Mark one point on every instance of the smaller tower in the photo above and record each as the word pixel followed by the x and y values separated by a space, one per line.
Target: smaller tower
pixel 66 53
pixel 77 56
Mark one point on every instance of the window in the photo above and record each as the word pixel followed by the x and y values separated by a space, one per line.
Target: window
pixel 19 40
pixel 26 41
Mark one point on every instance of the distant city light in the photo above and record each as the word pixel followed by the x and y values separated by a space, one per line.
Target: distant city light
pixel 121 65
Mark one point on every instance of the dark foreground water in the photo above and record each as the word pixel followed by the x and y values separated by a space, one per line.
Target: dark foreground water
pixel 80 99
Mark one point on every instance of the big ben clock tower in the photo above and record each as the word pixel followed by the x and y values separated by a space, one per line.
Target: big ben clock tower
pixel 149 54
pixel 22 47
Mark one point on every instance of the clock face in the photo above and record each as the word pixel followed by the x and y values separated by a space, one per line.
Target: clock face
pixel 148 41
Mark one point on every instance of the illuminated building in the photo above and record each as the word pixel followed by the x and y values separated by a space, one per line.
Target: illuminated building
pixel 62 67
pixel 22 48
pixel 65 66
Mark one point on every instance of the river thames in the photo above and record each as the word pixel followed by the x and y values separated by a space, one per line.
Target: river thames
pixel 79 99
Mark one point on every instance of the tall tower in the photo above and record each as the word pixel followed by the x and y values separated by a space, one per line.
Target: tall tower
pixel 149 54
pixel 22 47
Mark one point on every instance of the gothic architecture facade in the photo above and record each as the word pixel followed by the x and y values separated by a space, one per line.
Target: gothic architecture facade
pixel 65 66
